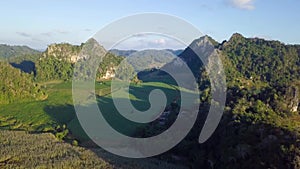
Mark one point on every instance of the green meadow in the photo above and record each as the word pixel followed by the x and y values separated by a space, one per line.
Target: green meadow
pixel 57 109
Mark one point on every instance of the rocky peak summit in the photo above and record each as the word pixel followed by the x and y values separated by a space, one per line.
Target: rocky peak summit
pixel 72 53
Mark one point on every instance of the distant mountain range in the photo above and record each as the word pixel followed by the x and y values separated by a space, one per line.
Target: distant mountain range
pixel 147 59
pixel 7 51
pixel 119 52
pixel 126 53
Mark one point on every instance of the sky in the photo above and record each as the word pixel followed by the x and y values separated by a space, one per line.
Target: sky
pixel 38 23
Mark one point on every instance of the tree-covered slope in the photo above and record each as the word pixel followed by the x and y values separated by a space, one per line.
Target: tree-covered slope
pixel 260 126
pixel 51 68
pixel 268 61
pixel 58 61
pixel 17 86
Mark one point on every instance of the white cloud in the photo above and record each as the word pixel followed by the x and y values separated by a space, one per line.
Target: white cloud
pixel 160 41
pixel 142 42
pixel 243 4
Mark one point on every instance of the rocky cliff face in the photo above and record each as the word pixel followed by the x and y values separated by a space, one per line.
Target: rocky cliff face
pixel 110 73
pixel 201 53
pixel 89 59
pixel 292 97
pixel 91 49
pixel 64 51
pixel 200 48
pixel 74 53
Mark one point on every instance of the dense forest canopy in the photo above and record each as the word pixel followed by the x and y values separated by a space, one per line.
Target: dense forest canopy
pixel 260 121
pixel 17 86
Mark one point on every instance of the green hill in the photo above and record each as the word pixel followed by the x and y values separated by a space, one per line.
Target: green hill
pixel 17 86
pixel 260 125
pixel 268 61
pixel 58 61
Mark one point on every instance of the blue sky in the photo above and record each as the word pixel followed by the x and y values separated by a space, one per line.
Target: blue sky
pixel 38 23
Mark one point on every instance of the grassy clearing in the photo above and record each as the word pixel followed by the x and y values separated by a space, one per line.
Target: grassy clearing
pixel 138 94
pixel 58 108
pixel 40 115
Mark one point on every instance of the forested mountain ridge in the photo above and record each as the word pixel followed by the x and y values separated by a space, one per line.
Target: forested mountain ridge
pixel 269 61
pixel 261 118
pixel 57 62
pixel 7 51
pixel 250 63
pixel 124 53
pixel 256 64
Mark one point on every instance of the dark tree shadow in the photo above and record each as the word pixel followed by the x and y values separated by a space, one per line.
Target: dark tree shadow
pixel 65 114
pixel 62 114
pixel 26 66
pixel 156 75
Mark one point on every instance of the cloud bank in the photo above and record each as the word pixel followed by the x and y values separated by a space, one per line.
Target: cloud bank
pixel 242 4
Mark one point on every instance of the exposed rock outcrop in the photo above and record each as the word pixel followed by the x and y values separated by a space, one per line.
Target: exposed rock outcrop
pixel 292 96
pixel 64 51
pixel 74 53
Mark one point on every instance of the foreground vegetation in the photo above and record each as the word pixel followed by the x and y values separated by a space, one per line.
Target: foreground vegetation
pixel 17 86
pixel 19 149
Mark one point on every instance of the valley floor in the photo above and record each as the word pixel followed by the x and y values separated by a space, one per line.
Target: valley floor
pixel 42 149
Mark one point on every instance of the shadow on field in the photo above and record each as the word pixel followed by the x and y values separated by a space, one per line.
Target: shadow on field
pixel 65 114
pixel 140 102
pixel 156 76
pixel 62 114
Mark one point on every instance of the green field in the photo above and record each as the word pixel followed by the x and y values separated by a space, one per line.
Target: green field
pixel 45 116
pixel 40 115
